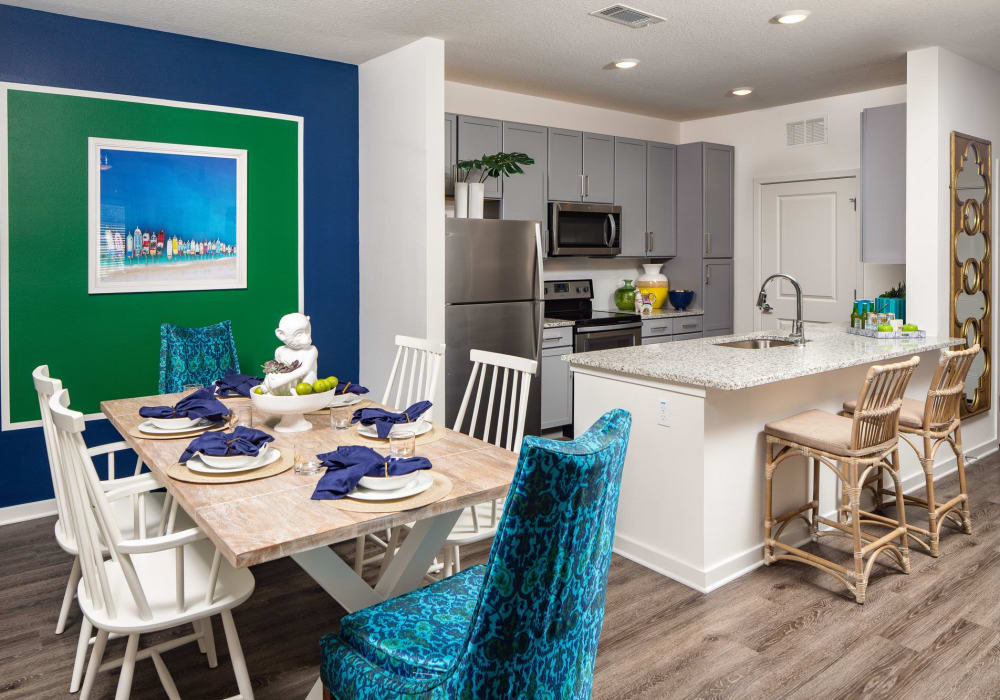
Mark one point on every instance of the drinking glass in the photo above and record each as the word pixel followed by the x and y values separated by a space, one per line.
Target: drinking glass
pixel 402 444
pixel 304 463
pixel 340 418
pixel 244 416
pixel 188 388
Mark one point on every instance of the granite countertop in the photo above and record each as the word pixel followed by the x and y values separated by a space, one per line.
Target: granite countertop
pixel 555 323
pixel 701 362
pixel 673 313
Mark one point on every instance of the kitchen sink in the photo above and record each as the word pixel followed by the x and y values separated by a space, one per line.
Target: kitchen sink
pixel 757 343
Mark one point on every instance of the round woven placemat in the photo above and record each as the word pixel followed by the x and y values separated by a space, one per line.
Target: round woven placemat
pixel 435 433
pixel 354 406
pixel 182 473
pixel 438 490
pixel 136 433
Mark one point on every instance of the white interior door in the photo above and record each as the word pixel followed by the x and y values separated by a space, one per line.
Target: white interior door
pixel 810 231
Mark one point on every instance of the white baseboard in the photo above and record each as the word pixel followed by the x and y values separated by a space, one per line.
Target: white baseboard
pixel 27 511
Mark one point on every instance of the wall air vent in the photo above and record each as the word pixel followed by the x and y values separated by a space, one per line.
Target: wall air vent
pixel 629 16
pixel 807 132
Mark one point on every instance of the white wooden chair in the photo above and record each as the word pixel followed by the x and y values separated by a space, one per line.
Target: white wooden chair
pixel 149 583
pixel 135 515
pixel 415 371
pixel 480 522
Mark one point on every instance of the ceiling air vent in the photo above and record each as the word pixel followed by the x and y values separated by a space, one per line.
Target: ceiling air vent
pixel 629 16
pixel 807 132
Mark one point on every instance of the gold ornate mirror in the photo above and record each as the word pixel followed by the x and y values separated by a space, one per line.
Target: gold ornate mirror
pixel 971 286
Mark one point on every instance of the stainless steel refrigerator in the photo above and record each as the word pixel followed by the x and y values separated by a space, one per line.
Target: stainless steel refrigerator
pixel 493 297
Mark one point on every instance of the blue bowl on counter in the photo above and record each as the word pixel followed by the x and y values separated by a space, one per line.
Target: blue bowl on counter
pixel 680 299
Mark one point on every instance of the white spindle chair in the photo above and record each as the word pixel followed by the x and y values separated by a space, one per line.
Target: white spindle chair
pixel 413 378
pixel 133 515
pixel 133 592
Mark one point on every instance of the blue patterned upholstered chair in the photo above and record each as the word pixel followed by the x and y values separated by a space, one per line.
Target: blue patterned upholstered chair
pixel 525 624
pixel 195 355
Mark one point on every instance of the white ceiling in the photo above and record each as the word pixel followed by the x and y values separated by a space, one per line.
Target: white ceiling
pixel 555 49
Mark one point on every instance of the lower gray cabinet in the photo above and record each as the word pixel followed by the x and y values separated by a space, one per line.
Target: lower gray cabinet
pixel 557 388
pixel 717 297
pixel 714 334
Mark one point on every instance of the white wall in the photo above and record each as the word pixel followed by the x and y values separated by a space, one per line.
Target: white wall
pixel 401 228
pixel 759 138
pixel 945 93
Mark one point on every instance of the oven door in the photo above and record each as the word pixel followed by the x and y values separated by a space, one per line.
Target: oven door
pixel 585 229
pixel 591 338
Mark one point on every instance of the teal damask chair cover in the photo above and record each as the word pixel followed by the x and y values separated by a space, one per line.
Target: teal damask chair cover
pixel 527 623
pixel 195 355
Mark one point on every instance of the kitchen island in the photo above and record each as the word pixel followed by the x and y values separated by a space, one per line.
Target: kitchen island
pixel 691 503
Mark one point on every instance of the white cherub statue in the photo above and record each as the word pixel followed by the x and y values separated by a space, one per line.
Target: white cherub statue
pixel 295 331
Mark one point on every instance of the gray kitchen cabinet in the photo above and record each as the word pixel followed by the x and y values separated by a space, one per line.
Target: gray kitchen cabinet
pixel 883 184
pixel 715 334
pixel 565 165
pixel 630 194
pixel 450 152
pixel 524 194
pixel 557 388
pixel 717 297
pixel 598 168
pixel 661 199
pixel 677 337
pixel 684 270
pixel 657 339
pixel 718 200
pixel 478 137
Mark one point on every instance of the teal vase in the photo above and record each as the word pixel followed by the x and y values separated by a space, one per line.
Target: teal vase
pixel 625 297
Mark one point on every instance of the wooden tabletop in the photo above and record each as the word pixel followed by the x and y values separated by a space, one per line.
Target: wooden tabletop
pixel 256 521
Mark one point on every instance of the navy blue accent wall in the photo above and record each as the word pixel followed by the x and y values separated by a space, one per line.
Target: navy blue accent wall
pixel 41 48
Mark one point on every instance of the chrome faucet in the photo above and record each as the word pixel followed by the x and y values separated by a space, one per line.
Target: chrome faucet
pixel 797 334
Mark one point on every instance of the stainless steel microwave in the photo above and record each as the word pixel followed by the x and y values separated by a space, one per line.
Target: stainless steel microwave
pixel 585 229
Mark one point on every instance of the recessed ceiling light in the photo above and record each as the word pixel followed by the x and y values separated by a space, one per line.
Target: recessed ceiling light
pixel 626 63
pixel 741 92
pixel 791 17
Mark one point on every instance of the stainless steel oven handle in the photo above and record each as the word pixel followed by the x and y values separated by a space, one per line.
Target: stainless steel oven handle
pixel 614 230
pixel 615 327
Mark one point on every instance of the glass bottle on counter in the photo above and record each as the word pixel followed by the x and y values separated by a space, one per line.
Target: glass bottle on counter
pixel 855 316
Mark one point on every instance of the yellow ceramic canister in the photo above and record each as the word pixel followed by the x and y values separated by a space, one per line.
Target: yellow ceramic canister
pixel 653 282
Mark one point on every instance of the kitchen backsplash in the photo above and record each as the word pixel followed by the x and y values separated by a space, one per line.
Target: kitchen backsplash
pixel 607 274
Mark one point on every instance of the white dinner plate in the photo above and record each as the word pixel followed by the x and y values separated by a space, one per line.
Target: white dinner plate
pixel 417 427
pixel 418 485
pixel 270 457
pixel 179 423
pixel 341 400
pixel 386 483
pixel 147 427
pixel 232 461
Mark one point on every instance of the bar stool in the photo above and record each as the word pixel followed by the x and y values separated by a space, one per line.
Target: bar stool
pixel 852 448
pixel 937 421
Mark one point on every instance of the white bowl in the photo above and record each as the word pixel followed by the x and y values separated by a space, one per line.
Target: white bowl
pixel 175 423
pixel 291 408
pixel 387 483
pixel 232 461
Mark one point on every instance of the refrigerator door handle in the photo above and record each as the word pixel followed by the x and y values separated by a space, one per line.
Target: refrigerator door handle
pixel 538 256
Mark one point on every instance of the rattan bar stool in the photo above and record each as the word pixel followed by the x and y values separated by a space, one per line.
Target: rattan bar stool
pixel 852 448
pixel 936 421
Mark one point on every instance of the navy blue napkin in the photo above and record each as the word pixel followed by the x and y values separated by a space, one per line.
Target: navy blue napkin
pixel 383 420
pixel 349 388
pixel 242 441
pixel 199 404
pixel 236 384
pixel 346 465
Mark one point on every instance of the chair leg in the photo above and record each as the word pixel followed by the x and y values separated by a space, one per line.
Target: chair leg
pixel 456 559
pixel 71 585
pixel 196 626
pixel 927 463
pixel 166 680
pixel 768 484
pixel 209 632
pixel 359 554
pixel 904 537
pixel 236 656
pixel 853 500
pixel 81 654
pixel 963 489
pixel 814 523
pixel 128 668
pixel 447 570
pixel 96 656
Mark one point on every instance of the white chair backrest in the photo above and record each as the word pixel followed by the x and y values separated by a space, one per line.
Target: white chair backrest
pixel 46 387
pixel 89 511
pixel 414 373
pixel 515 409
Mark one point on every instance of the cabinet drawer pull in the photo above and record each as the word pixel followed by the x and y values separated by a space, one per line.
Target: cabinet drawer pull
pixel 551 340
pixel 689 325
pixel 659 328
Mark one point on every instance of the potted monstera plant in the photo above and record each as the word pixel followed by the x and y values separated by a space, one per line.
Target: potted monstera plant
pixel 469 196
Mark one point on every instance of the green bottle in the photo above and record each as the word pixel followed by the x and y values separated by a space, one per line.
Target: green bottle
pixel 855 316
pixel 864 316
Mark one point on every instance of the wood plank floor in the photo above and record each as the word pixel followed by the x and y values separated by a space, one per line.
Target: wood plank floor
pixel 782 631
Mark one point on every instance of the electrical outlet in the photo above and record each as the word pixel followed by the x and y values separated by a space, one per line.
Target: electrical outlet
pixel 663 414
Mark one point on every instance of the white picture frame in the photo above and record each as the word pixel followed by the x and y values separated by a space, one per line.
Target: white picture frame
pixel 207 263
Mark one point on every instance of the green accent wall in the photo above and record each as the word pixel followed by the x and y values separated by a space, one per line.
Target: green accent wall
pixel 106 346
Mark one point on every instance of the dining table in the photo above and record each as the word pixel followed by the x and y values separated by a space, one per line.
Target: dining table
pixel 252 522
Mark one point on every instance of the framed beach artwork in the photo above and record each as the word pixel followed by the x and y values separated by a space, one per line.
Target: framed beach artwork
pixel 166 217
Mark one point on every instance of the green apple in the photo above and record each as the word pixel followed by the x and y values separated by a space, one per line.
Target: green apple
pixel 884 328
pixel 910 327
pixel 304 388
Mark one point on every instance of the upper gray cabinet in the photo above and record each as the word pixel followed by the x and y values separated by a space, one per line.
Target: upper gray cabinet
pixel 717 201
pixel 661 199
pixel 524 194
pixel 565 178
pixel 450 152
pixel 883 184
pixel 630 194
pixel 478 137
pixel 598 168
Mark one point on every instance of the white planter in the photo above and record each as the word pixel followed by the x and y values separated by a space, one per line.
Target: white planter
pixel 461 200
pixel 476 190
